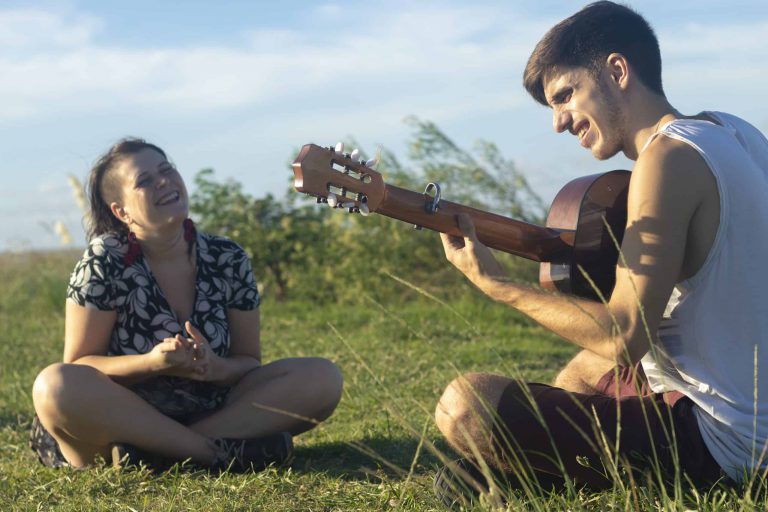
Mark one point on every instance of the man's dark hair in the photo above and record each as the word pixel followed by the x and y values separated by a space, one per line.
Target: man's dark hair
pixel 585 40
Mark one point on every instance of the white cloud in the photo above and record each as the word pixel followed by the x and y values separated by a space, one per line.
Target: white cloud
pixel 30 29
pixel 51 63
pixel 716 66
pixel 242 106
pixel 66 72
pixel 716 42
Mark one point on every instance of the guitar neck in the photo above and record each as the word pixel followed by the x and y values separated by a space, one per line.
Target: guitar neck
pixel 496 231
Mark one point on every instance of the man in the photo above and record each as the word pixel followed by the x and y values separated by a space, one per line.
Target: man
pixel 686 389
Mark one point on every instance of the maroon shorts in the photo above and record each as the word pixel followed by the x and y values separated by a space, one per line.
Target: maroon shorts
pixel 547 432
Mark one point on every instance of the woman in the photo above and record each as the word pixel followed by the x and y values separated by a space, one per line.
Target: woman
pixel 162 358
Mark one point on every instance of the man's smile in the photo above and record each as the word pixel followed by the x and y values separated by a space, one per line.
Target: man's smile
pixel 581 130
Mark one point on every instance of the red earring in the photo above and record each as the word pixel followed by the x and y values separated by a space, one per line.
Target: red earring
pixel 134 249
pixel 189 230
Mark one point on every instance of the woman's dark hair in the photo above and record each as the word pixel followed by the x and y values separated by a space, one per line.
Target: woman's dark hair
pixel 104 186
pixel 585 40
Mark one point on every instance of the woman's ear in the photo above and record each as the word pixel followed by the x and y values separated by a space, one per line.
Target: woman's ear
pixel 119 212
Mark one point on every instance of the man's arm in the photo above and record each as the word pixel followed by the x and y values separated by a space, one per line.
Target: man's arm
pixel 670 181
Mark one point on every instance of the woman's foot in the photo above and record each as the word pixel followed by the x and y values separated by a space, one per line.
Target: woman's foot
pixel 243 455
pixel 128 456
pixel 235 455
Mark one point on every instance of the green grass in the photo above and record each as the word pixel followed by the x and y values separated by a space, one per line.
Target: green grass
pixel 396 354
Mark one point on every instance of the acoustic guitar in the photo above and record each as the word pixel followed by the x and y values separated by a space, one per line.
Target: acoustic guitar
pixel 577 249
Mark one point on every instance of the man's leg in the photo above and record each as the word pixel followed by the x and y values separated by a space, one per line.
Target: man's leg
pixel 583 373
pixel 306 387
pixel 465 413
pixel 535 429
pixel 86 411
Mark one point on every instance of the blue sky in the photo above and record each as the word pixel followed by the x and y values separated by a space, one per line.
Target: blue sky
pixel 238 86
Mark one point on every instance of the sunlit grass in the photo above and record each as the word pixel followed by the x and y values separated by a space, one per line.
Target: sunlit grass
pixel 378 452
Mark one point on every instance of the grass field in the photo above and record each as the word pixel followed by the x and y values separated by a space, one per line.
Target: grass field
pixel 396 354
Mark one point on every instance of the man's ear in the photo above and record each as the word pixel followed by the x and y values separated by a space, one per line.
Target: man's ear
pixel 119 212
pixel 618 69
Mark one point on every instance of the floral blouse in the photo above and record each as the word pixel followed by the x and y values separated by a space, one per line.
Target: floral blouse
pixel 103 280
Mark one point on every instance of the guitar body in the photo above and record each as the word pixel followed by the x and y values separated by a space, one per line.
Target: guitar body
pixel 595 208
pixel 584 228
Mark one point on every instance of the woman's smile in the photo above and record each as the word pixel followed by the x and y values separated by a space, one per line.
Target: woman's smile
pixel 168 198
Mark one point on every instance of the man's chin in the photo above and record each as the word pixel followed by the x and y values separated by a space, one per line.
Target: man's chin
pixel 600 156
pixel 602 153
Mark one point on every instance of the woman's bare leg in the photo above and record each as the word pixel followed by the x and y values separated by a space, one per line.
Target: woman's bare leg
pixel 85 411
pixel 303 387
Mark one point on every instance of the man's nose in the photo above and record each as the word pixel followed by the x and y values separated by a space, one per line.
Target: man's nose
pixel 561 120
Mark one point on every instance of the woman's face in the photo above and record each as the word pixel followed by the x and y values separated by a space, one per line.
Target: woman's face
pixel 152 192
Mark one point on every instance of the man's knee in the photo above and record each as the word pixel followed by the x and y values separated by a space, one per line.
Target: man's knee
pixel 464 411
pixel 583 372
pixel 566 377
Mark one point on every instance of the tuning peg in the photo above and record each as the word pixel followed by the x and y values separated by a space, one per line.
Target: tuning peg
pixel 364 211
pixel 322 200
pixel 373 162
pixel 332 200
pixel 339 147
pixel 355 154
pixel 348 205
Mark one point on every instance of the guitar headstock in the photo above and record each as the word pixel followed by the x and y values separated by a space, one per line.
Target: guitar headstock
pixel 327 174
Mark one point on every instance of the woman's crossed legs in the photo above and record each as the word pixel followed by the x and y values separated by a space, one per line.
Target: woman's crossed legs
pixel 86 412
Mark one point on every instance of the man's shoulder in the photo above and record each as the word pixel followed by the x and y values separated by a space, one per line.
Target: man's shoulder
pixel 672 176
pixel 670 160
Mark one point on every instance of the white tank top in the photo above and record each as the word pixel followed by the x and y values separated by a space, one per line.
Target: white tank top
pixel 713 339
